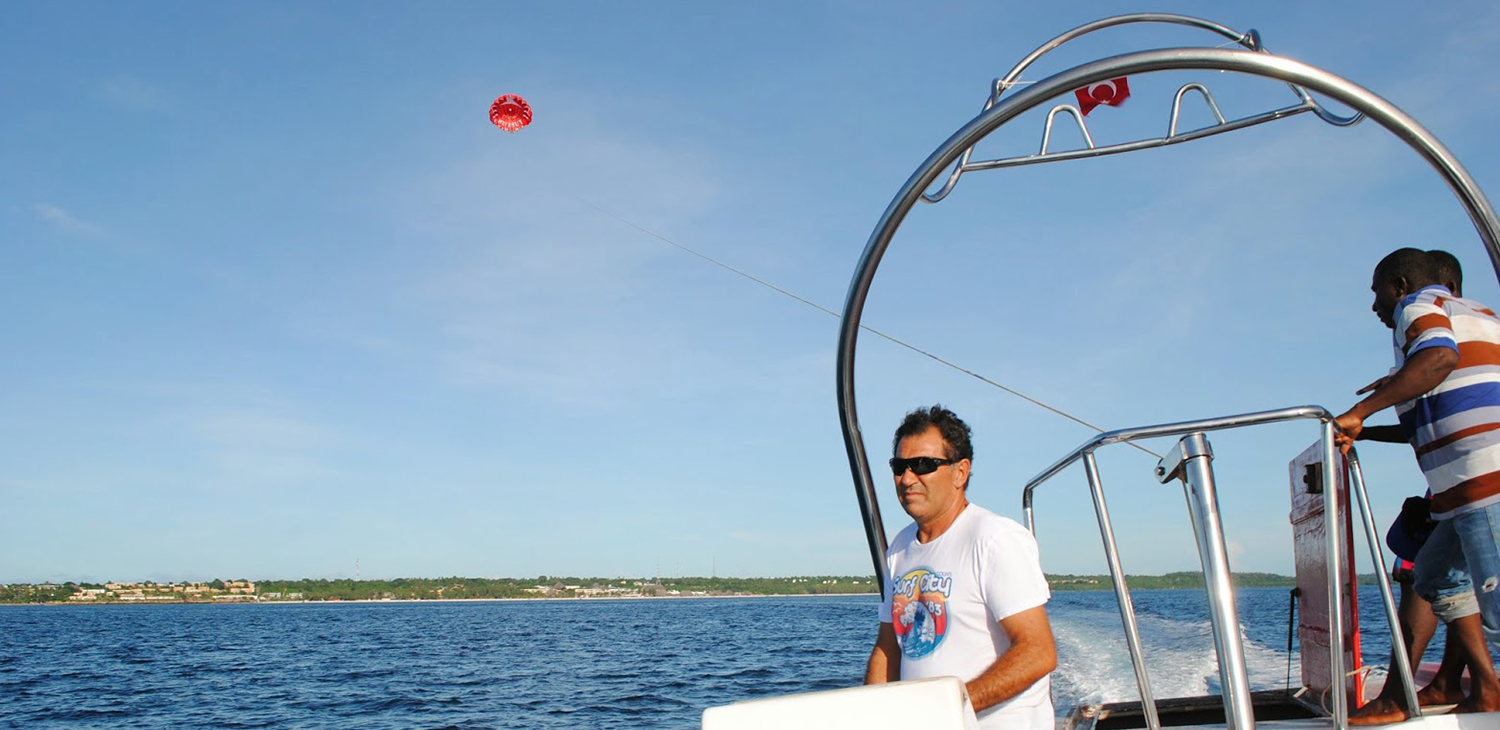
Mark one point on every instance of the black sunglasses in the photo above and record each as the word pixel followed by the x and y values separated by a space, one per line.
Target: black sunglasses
pixel 919 465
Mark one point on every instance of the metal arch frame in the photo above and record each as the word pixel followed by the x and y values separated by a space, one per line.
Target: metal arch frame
pixel 1249 39
pixel 1252 63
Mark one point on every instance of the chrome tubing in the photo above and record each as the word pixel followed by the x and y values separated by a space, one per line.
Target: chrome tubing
pixel 1372 535
pixel 1250 39
pixel 1339 89
pixel 1191 462
pixel 1338 701
pixel 1208 99
pixel 1122 594
pixel 1142 144
pixel 1179 428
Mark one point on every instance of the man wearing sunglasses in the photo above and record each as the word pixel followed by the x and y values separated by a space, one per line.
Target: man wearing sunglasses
pixel 965 595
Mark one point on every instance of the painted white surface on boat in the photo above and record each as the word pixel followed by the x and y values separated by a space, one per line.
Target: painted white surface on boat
pixel 938 703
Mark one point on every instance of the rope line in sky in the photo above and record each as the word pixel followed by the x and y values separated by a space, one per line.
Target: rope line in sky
pixel 866 328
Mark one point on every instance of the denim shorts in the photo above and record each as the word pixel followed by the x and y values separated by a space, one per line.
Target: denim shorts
pixel 1458 569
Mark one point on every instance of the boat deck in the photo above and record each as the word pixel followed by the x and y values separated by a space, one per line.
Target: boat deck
pixel 1274 710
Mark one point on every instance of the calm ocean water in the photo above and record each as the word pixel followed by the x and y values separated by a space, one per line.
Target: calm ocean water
pixel 544 664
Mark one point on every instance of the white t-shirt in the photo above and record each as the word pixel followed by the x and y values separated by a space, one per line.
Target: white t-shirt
pixel 945 600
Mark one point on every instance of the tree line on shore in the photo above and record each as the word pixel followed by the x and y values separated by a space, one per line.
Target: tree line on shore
pixel 545 586
pixel 1182 579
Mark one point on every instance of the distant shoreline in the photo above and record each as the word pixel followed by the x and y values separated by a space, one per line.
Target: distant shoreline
pixel 544 588
pixel 568 599
pixel 586 599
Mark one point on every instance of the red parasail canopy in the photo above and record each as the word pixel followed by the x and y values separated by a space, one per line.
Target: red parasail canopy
pixel 510 112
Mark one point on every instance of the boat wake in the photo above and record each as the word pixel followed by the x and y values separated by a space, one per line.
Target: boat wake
pixel 1094 664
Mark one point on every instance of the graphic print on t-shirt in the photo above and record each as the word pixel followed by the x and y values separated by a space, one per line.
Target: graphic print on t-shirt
pixel 918 610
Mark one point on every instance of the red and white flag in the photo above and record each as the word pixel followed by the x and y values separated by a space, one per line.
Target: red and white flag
pixel 1113 92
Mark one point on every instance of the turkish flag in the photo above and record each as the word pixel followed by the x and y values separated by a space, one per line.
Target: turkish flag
pixel 1113 92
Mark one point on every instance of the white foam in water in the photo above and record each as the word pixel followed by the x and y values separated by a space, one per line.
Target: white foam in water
pixel 1094 665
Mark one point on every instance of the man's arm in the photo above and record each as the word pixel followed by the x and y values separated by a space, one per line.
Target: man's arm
pixel 1383 434
pixel 1031 655
pixel 1423 372
pixel 885 658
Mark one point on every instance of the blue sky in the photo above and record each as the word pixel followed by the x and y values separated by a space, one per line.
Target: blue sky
pixel 276 298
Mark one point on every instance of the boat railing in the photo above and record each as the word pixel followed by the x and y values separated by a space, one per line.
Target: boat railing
pixel 1190 462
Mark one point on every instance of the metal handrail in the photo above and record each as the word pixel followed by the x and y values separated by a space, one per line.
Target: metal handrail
pixel 1125 435
pixel 1372 535
pixel 1215 565
pixel 1212 555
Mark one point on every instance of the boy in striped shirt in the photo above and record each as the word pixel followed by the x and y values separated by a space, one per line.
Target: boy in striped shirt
pixel 1446 390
